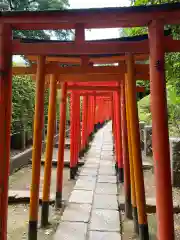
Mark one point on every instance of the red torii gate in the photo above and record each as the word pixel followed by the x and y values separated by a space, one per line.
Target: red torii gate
pixel 155 17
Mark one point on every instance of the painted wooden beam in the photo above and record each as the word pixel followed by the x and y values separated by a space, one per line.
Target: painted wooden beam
pixel 78 70
pixel 93 18
pixel 96 60
pixel 97 89
pixel 72 48
pixel 90 47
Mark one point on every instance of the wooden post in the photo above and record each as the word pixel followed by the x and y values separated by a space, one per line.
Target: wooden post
pixel 84 122
pixel 115 132
pixel 5 121
pixel 87 122
pixel 97 112
pixel 94 113
pixel 62 129
pixel 125 154
pixel 161 153
pixel 101 112
pixel 49 151
pixel 92 120
pixel 78 127
pixel 76 113
pixel 136 150
pixel 119 139
pixel 88 117
pixel 112 118
pixel 72 145
pixel 133 190
pixel 37 148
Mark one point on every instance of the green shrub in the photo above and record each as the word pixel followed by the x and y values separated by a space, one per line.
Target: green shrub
pixel 173 101
pixel 144 110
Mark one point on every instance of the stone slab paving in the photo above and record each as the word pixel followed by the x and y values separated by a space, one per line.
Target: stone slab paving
pixel 106 188
pixel 104 220
pixel 88 171
pixel 106 179
pixel 87 178
pixel 91 165
pixel 77 213
pixel 87 185
pixel 81 196
pixel 71 231
pixel 109 158
pixel 107 171
pixel 96 235
pixel 92 211
pixel 105 202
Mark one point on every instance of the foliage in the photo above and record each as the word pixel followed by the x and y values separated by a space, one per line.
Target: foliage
pixel 173 110
pixel 68 108
pixel 23 103
pixel 23 88
pixel 38 5
pixel 23 100
pixel 173 101
pixel 172 64
pixel 144 110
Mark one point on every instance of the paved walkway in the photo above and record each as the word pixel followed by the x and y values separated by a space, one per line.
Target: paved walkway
pixel 92 211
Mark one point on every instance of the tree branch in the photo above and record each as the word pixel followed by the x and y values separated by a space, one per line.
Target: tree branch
pixel 10 4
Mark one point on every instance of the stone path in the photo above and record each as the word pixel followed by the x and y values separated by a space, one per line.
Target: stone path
pixel 92 211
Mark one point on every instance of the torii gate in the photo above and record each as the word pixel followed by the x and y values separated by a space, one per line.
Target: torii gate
pixel 99 73
pixel 155 17
pixel 79 86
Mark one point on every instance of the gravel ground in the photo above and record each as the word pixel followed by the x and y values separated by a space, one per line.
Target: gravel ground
pixel 18 214
pixel 150 191
pixel 14 152
pixel 149 180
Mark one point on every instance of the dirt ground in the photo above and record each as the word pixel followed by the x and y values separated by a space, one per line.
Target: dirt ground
pixel 18 214
pixel 150 191
pixel 149 181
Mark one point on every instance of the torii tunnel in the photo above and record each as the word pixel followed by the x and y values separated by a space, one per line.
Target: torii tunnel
pixel 108 92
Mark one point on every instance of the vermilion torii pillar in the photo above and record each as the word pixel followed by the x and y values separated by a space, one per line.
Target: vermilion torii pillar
pixel 92 114
pixel 37 146
pixel 136 150
pixel 72 136
pixel 84 122
pixel 75 133
pixel 161 155
pixel 49 151
pixel 77 128
pixel 125 154
pixel 119 137
pixel 62 129
pixel 115 131
pixel 132 177
pixel 5 121
pixel 88 117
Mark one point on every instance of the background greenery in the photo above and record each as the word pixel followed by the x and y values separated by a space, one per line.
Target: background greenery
pixel 23 87
pixel 172 64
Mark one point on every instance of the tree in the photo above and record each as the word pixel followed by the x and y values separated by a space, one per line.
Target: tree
pixel 23 100
pixel 172 64
pixel 38 5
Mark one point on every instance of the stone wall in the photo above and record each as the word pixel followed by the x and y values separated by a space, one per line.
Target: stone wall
pixel 148 140
pixel 141 128
pixel 175 161
pixel 146 146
